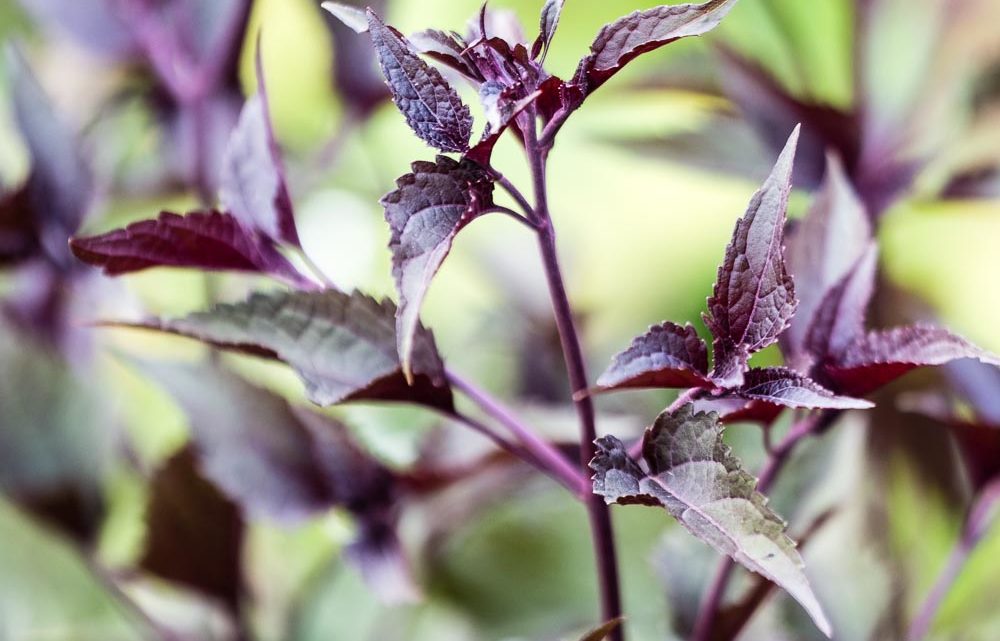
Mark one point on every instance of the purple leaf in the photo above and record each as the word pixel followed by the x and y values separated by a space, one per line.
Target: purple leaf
pixel 823 249
pixel 431 106
pixel 548 23
pixel 696 477
pixel 980 385
pixel 425 213
pixel 880 357
pixel 754 297
pixel 60 185
pixel 621 42
pixel 195 534
pixel 253 180
pixel 355 73
pixel 94 25
pixel 378 555
pixel 446 48
pixel 781 386
pixel 205 240
pixel 840 318
pixel 343 346
pixel 668 355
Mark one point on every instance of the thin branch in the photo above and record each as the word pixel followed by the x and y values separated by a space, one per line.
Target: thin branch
pixel 515 193
pixel 544 452
pixel 316 270
pixel 507 211
pixel 601 529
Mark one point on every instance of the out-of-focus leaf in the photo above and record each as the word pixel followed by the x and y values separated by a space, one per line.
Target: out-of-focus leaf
pixel 205 240
pixel 55 437
pixel 425 213
pixel 253 180
pixel 92 23
pixel 840 317
pixel 979 383
pixel 601 632
pixel 343 346
pixel 879 357
pixel 782 386
pixel 60 184
pixel 355 72
pixel 18 237
pixel 348 15
pixel 824 248
pixel 668 355
pixel 629 37
pixel 696 477
pixel 754 297
pixel 195 534
pixel 431 106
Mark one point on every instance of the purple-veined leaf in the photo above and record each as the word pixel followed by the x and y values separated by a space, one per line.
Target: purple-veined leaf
pixel 204 240
pixel 425 212
pixel 547 25
pixel 285 463
pixel 754 297
pixel 696 477
pixel 195 534
pixel 342 346
pixel 629 37
pixel 350 15
pixel 60 184
pixel 253 186
pixel 668 355
pixel 431 106
pixel 840 318
pixel 880 357
pixel 823 249
pixel 782 386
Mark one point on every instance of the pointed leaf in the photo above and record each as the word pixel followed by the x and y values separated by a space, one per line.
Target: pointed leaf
pixel 431 106
pixel 195 534
pixel 696 477
pixel 204 240
pixel 601 632
pixel 253 179
pixel 781 386
pixel 343 346
pixel 425 213
pixel 668 355
pixel 60 185
pixel 824 248
pixel 840 318
pixel 548 23
pixel 881 357
pixel 353 17
pixel 754 297
pixel 629 37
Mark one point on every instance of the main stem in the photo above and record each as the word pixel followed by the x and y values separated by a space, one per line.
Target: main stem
pixel 602 532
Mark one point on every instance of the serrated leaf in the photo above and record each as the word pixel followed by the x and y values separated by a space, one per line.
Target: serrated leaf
pixel 253 187
pixel 194 533
pixel 824 248
pixel 882 356
pixel 754 297
pixel 668 355
pixel 351 16
pixel 840 317
pixel 782 386
pixel 601 632
pixel 60 184
pixel 640 32
pixel 204 240
pixel 425 213
pixel 431 106
pixel 696 477
pixel 547 25
pixel 342 346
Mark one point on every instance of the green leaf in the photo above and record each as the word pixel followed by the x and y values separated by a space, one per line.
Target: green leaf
pixel 696 477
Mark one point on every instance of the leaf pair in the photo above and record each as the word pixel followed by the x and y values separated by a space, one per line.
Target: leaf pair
pixel 284 463
pixel 694 475
pixel 752 304
pixel 258 216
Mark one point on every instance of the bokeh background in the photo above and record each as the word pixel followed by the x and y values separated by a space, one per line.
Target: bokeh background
pixel 646 183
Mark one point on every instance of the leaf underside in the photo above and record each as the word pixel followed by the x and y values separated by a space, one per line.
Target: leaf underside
pixel 696 477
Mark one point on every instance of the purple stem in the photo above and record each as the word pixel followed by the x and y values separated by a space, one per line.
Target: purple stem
pixel 601 529
pixel 977 524
pixel 547 457
pixel 776 461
